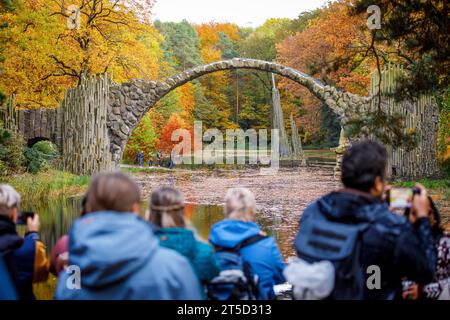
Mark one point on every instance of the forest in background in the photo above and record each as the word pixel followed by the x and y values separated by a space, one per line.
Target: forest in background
pixel 41 58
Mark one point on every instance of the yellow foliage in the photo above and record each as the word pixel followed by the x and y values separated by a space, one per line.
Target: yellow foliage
pixel 44 57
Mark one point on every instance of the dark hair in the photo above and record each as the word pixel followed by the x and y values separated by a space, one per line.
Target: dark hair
pixel 83 205
pixel 436 229
pixel 362 163
pixel 112 192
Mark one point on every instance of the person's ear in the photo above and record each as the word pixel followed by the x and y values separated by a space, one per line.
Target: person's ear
pixel 136 208
pixel 378 187
pixel 14 215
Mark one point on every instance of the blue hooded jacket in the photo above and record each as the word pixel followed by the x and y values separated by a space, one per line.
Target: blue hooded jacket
pixel 120 258
pixel 263 256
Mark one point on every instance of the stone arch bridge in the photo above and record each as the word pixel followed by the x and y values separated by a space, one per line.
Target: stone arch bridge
pixel 96 119
pixel 128 102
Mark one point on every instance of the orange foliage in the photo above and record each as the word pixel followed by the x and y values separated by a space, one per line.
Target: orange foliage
pixel 188 101
pixel 165 141
pixel 331 48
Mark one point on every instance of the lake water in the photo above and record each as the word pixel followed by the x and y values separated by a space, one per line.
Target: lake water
pixel 57 215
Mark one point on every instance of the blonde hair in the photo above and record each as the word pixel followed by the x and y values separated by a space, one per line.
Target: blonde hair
pixel 9 199
pixel 240 204
pixel 166 207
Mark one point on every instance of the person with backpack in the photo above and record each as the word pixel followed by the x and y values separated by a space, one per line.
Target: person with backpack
pixel 370 248
pixel 117 254
pixel 8 289
pixel 24 257
pixel 251 263
pixel 167 215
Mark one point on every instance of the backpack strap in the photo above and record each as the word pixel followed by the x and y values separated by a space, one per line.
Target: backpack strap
pixel 245 243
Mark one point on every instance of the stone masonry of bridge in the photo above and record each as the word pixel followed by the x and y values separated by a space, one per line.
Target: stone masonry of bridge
pixel 128 102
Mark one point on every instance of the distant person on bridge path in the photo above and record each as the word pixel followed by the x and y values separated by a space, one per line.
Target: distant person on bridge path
pixel 118 255
pixel 158 158
pixel 370 248
pixel 171 165
pixel 140 158
pixel 150 159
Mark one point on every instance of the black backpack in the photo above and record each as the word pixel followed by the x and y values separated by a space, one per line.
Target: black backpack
pixel 236 281
pixel 340 243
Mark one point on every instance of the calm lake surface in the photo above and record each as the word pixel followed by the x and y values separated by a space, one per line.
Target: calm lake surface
pixel 57 215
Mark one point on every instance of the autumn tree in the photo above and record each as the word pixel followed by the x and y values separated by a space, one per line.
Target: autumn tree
pixel 144 138
pixel 175 122
pixel 45 57
pixel 331 47
pixel 5 5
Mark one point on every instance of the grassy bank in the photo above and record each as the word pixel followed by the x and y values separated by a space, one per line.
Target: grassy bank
pixel 47 184
pixel 440 186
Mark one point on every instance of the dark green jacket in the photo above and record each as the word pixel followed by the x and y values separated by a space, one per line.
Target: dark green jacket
pixel 200 254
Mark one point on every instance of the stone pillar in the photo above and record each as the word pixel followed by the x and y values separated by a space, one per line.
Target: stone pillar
pixel 344 143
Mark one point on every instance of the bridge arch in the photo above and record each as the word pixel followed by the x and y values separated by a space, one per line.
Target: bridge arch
pixel 129 102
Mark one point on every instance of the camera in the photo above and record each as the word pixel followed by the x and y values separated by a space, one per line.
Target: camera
pixel 23 217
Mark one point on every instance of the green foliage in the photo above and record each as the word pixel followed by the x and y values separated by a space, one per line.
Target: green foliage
pixel 181 44
pixel 143 138
pixel 227 47
pixel 41 186
pixel 253 115
pixel 47 148
pixel 169 104
pixel 444 125
pixel 6 5
pixel 389 129
pixel 330 125
pixel 11 152
pixel 37 157
pixel 427 183
pixel 418 30
pixel 35 161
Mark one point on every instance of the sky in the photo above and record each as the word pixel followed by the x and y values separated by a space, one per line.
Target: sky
pixel 245 13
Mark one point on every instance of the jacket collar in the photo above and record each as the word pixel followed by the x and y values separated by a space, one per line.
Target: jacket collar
pixel 7 226
pixel 9 239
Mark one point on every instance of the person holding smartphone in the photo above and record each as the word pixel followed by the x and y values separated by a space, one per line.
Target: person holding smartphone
pixel 25 258
pixel 439 288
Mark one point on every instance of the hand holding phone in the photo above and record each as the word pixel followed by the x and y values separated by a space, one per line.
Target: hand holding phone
pixel 23 217
pixel 421 203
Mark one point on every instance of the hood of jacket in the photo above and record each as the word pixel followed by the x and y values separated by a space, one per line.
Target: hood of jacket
pixel 9 239
pixel 229 233
pixel 109 246
pixel 179 239
pixel 350 206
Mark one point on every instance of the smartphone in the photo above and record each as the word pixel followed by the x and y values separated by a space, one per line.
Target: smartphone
pixel 23 217
pixel 400 198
